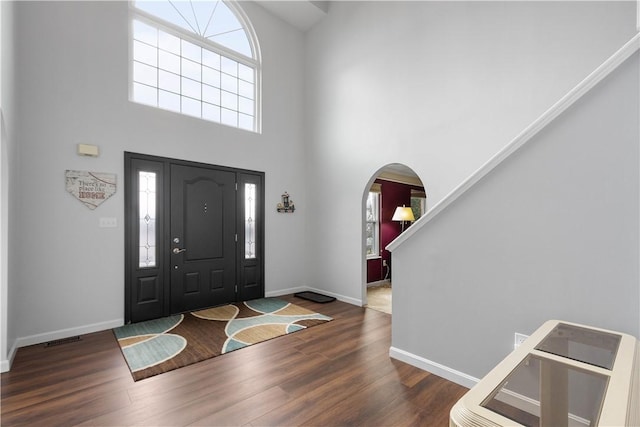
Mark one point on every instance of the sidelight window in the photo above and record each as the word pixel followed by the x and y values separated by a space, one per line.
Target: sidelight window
pixel 249 221
pixel 147 218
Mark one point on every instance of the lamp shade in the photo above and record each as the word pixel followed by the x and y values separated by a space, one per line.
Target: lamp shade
pixel 403 214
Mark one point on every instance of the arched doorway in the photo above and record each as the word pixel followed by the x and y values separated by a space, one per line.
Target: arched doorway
pixel 393 186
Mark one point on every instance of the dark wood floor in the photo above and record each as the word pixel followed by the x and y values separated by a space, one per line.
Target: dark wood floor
pixel 333 374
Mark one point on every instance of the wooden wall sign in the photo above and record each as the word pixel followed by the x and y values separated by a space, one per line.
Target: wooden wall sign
pixel 91 188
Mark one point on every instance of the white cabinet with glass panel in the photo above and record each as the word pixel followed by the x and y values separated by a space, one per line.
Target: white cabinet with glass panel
pixel 564 374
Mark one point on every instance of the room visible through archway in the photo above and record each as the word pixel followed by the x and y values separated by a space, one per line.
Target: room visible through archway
pixel 394 187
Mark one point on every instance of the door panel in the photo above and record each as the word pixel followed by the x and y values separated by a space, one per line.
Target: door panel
pixel 148 290
pixel 203 221
pixel 203 212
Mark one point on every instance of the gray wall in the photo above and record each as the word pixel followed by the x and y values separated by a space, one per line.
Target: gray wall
pixel 438 86
pixel 551 233
pixel 72 80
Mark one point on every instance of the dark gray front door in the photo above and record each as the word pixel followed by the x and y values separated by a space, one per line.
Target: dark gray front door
pixel 203 233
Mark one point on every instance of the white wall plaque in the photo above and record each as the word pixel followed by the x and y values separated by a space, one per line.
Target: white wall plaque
pixel 91 188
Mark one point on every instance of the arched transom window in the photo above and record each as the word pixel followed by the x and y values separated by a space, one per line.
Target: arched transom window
pixel 196 57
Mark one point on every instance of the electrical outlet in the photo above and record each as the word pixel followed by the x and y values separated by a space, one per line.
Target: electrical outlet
pixel 384 262
pixel 519 339
pixel 108 222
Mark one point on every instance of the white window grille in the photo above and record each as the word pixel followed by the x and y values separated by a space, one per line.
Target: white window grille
pixel 373 225
pixel 198 58
pixel 147 219
pixel 250 221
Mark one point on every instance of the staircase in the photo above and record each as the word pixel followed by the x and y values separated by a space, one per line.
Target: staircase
pixel 548 228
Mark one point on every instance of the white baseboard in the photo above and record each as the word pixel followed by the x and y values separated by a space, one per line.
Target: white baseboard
pixel 514 399
pixel 5 365
pixel 349 300
pixel 281 292
pixel 379 283
pixel 70 332
pixel 433 367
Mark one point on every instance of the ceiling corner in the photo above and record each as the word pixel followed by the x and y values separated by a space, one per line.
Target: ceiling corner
pixel 301 14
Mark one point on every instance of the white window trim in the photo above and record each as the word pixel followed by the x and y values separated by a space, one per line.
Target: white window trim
pixel 255 62
pixel 416 194
pixel 376 188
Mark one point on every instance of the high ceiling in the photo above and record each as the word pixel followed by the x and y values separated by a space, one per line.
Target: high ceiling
pixel 302 14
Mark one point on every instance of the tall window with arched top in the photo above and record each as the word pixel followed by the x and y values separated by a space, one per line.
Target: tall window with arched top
pixel 196 57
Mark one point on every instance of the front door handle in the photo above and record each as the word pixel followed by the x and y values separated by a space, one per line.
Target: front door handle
pixel 177 251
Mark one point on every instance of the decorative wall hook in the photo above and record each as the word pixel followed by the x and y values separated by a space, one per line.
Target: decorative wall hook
pixel 286 206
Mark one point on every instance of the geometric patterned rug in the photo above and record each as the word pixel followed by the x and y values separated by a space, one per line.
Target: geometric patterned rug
pixel 161 345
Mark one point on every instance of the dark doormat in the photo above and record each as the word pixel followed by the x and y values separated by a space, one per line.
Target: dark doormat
pixel 314 296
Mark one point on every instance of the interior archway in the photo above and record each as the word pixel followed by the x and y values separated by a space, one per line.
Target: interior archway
pixel 392 186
